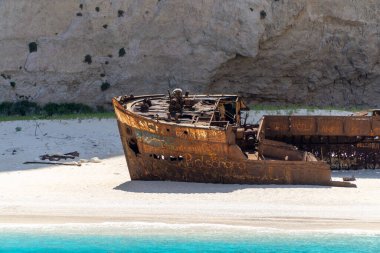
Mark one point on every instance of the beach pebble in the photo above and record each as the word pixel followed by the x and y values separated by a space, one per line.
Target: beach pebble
pixel 95 160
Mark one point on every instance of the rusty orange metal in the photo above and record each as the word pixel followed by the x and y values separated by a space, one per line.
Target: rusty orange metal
pixel 346 126
pixel 202 138
pixel 345 142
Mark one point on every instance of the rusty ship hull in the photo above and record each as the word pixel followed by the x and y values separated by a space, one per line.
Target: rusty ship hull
pixel 196 146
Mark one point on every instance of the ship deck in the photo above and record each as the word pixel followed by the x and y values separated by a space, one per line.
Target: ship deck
pixel 197 110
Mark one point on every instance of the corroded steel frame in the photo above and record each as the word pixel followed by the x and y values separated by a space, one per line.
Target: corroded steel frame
pixel 345 142
pixel 346 126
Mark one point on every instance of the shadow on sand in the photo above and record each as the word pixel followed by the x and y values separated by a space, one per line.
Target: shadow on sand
pixel 195 188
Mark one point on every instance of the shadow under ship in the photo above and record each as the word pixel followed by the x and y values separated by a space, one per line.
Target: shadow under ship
pixel 205 138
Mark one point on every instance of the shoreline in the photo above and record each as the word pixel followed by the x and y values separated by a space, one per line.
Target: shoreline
pixel 299 224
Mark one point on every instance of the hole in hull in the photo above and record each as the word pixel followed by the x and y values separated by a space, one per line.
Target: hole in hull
pixel 132 144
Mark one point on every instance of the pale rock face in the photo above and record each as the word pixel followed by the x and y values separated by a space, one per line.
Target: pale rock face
pixel 312 52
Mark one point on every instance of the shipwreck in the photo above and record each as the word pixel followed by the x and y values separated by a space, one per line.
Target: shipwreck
pixel 205 138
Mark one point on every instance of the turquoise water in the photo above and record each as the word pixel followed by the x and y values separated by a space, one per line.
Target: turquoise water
pixel 190 239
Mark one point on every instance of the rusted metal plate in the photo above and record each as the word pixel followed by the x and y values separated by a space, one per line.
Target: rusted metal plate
pixel 151 126
pixel 357 126
pixel 349 126
pixel 376 126
pixel 152 143
pixel 330 126
pixel 276 126
pixel 303 125
pixel 280 151
pixel 204 168
pixel 195 166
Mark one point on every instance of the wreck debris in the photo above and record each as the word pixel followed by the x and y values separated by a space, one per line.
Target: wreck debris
pixel 203 138
pixel 54 158
pixel 352 178
pixel 56 163
pixel 175 102
pixel 57 157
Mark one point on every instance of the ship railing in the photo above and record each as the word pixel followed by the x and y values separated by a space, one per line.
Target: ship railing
pixel 219 123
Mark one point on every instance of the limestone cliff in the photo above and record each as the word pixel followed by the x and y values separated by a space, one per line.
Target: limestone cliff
pixel 315 52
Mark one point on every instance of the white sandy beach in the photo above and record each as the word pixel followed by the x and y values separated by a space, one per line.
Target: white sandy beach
pixel 103 192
